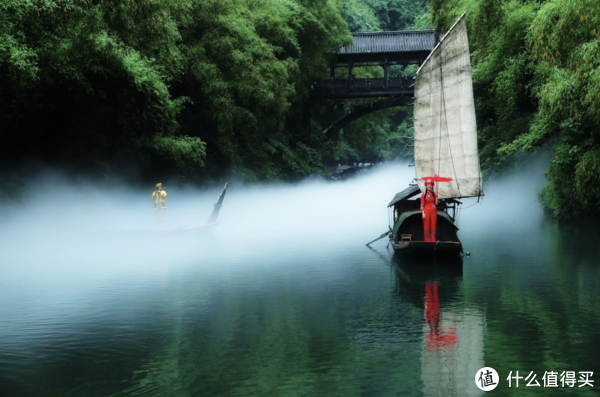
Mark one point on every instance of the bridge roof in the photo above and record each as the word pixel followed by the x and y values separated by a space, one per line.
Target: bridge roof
pixel 390 42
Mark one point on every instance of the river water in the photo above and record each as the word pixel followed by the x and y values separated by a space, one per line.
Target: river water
pixel 283 298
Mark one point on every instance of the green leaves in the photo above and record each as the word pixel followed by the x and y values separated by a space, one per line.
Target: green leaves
pixel 587 179
pixel 360 17
pixel 187 153
pixel 385 15
pixel 536 75
pixel 248 63
pixel 565 42
pixel 178 83
pixel 121 72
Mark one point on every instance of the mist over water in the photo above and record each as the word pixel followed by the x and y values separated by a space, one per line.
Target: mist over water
pixel 281 296
pixel 68 240
pixel 510 207
pixel 84 229
pixel 87 227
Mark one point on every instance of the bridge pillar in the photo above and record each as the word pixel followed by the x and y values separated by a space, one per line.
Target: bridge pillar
pixel 385 73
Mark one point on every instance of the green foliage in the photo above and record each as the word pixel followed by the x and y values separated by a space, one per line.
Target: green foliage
pixel 493 136
pixel 187 153
pixel 536 80
pixel 82 82
pixel 397 144
pixel 574 159
pixel 168 84
pixel 190 85
pixel 564 39
pixel 502 76
pixel 386 15
pixel 181 84
pixel 360 17
pixel 587 179
pixel 423 21
pixel 378 136
pixel 79 47
pixel 249 64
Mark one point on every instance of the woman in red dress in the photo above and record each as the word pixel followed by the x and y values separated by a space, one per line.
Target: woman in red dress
pixel 429 202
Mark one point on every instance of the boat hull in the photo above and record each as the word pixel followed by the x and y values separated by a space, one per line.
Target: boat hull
pixel 407 236
pixel 428 249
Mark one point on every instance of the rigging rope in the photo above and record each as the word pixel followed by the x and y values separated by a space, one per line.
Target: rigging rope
pixel 477 202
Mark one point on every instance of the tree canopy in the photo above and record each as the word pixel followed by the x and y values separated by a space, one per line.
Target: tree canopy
pixel 383 15
pixel 162 87
pixel 197 89
pixel 537 81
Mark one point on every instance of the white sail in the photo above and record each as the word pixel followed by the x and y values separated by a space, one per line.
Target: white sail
pixel 444 117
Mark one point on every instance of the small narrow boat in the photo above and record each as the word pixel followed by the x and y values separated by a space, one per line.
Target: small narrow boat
pixel 212 219
pixel 445 144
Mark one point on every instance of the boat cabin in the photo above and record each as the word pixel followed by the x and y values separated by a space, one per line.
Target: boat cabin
pixel 408 221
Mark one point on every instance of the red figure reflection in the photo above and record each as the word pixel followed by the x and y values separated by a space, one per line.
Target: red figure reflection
pixel 437 337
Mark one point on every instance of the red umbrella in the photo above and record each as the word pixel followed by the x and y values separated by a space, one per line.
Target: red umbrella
pixel 437 178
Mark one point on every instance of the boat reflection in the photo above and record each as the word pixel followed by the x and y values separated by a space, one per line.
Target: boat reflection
pixel 453 331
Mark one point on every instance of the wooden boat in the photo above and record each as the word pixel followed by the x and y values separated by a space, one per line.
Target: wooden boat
pixel 445 144
pixel 212 219
pixel 407 234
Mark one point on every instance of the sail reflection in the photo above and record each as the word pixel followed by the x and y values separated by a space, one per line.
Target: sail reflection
pixel 453 332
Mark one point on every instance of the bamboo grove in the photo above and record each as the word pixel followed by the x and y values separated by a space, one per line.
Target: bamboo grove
pixel 187 87
pixel 537 82
pixel 199 89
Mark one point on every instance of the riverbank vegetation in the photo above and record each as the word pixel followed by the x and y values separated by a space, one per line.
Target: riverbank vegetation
pixel 536 78
pixel 199 90
pixel 154 89
pixel 179 90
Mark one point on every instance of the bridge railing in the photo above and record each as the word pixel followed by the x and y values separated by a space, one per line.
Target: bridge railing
pixel 376 86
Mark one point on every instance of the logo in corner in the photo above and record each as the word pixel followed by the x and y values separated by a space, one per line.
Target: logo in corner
pixel 487 378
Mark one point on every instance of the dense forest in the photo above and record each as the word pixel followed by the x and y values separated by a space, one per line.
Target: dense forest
pixel 194 91
pixel 536 78
pixel 155 89
pixel 184 90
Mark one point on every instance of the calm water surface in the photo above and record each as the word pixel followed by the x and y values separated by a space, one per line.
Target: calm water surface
pixel 283 298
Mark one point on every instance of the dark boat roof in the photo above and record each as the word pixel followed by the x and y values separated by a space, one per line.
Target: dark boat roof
pixel 407 193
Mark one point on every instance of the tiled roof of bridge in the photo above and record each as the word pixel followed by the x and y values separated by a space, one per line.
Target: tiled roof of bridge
pixel 378 42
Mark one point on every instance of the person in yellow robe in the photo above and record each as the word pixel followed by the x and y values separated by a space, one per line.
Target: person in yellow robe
pixel 160 204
